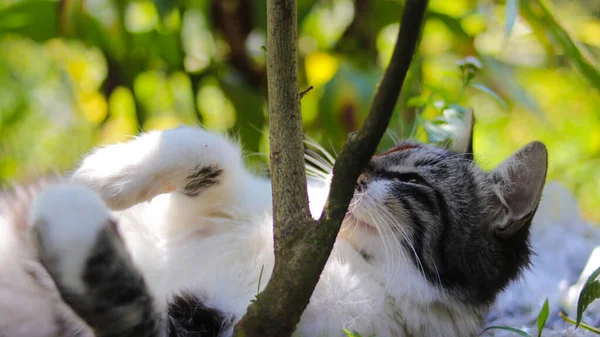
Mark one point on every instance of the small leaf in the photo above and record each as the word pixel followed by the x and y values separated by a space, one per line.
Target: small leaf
pixel 542 317
pixel 490 92
pixel 589 293
pixel 351 333
pixel 582 59
pixel 418 101
pixel 511 11
pixel 507 328
pixel 36 20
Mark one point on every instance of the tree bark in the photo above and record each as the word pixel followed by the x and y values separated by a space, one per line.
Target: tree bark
pixel 303 245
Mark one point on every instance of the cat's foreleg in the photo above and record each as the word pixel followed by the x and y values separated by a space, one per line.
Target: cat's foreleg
pixel 187 160
pixel 79 244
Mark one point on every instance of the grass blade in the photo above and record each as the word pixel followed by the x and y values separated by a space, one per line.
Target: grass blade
pixel 490 92
pixel 583 61
pixel 542 317
pixel 581 324
pixel 511 11
pixel 506 328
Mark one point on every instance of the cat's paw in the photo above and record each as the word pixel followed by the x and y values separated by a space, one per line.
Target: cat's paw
pixel 184 159
pixel 67 220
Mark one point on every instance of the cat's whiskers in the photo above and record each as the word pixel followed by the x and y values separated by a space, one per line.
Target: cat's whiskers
pixel 398 251
pixel 393 136
pixel 387 236
pixel 329 158
pixel 317 161
pixel 402 231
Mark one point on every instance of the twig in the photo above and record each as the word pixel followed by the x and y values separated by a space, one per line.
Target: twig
pixel 362 145
pixel 304 92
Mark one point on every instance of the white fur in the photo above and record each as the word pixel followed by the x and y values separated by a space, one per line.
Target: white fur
pixel 68 219
pixel 217 243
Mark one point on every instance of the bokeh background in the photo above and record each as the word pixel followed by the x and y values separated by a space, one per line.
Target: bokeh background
pixel 81 73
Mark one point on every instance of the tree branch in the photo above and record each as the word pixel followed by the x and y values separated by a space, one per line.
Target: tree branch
pixel 302 245
pixel 362 145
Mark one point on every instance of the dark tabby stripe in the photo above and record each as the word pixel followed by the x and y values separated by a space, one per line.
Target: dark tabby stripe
pixel 417 238
pixel 202 178
pixel 116 301
pixel 189 316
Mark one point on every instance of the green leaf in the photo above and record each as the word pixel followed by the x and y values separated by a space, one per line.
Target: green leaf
pixel 580 57
pixel 418 101
pixel 451 23
pixel 542 317
pixel 507 328
pixel 589 293
pixel 490 92
pixel 34 19
pixel 351 333
pixel 504 78
pixel 511 11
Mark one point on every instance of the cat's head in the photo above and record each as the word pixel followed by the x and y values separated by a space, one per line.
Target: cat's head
pixel 466 230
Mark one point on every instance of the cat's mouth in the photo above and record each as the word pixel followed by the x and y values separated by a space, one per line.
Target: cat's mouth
pixel 353 222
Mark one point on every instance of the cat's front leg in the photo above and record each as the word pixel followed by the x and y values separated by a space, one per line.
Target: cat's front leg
pixel 79 244
pixel 187 160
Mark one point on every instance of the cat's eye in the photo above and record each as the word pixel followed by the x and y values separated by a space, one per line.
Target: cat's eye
pixel 410 178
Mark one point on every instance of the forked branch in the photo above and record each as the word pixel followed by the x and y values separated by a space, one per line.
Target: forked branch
pixel 302 245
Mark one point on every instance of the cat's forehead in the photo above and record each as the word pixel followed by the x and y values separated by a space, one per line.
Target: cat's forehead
pixel 411 154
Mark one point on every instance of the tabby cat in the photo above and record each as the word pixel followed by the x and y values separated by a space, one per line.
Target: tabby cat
pixel 168 235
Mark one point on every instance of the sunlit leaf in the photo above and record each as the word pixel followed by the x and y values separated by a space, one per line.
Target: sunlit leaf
pixel 34 19
pixel 162 123
pixel 452 23
pixel 511 11
pixel 589 293
pixel 490 92
pixel 217 111
pixel 418 101
pixel 542 317
pixel 140 17
pixel 580 57
pixel 94 106
pixel 503 76
pixel 320 68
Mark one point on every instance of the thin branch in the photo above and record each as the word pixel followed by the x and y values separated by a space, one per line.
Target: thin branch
pixel 304 92
pixel 362 145
pixel 302 245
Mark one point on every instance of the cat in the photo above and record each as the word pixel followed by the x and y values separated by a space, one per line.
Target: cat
pixel 170 235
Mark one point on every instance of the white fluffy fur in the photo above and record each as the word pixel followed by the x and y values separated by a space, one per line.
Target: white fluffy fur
pixel 217 243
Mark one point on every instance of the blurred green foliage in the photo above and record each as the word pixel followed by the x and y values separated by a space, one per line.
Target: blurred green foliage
pixel 81 73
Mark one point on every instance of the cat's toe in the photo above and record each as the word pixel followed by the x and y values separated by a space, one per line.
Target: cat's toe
pixel 66 222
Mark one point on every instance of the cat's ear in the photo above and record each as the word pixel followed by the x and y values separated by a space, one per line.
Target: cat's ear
pixel 464 143
pixel 519 182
